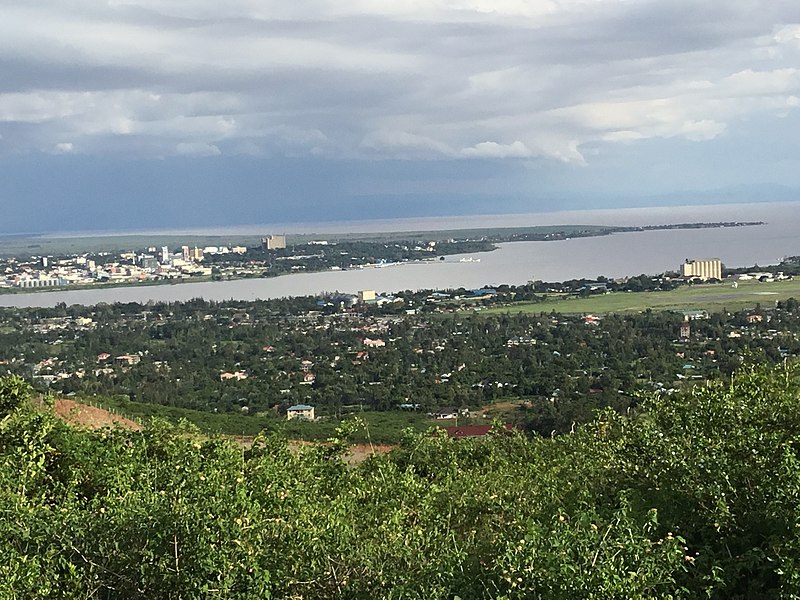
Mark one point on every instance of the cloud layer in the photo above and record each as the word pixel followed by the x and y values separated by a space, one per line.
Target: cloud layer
pixel 366 79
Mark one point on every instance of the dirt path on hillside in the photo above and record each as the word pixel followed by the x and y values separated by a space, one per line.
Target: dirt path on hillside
pixel 91 417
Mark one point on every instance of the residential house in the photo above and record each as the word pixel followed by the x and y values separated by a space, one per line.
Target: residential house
pixel 237 375
pixel 300 411
pixel 128 359
pixel 449 413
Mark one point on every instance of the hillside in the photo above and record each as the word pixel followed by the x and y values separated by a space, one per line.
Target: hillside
pixel 91 417
pixel 693 496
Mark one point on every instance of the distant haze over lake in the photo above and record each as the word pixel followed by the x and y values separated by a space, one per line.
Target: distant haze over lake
pixel 621 217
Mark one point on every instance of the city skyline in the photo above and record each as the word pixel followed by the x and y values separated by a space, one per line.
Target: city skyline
pixel 137 114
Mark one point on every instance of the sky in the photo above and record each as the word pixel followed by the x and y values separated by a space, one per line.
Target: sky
pixel 131 114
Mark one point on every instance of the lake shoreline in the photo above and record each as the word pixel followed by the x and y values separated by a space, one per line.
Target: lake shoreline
pixel 558 234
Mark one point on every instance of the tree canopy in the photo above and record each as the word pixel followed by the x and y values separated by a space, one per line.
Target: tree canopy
pixel 696 495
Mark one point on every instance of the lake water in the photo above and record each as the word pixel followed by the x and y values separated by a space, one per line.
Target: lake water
pixel 513 263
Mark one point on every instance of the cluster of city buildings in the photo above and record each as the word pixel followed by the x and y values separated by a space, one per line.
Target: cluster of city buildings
pixel 131 267
pixel 153 263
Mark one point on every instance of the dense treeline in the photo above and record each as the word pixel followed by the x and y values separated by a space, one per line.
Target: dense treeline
pixel 564 368
pixel 693 496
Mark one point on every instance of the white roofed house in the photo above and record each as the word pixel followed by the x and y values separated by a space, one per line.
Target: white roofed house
pixel 300 411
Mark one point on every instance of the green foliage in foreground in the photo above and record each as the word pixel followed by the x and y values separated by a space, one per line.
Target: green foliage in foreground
pixel 696 496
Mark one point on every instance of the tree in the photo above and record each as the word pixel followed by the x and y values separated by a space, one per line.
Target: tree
pixel 13 392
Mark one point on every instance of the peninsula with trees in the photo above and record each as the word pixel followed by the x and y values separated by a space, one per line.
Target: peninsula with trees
pixel 42 263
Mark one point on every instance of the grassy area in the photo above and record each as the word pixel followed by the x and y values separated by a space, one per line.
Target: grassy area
pixel 710 297
pixel 228 423
pixel 381 427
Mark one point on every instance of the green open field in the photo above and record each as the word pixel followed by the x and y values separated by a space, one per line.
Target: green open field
pixel 710 297
pixel 380 427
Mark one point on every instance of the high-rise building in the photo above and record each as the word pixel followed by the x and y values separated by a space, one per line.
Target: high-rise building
pixel 185 252
pixel 148 261
pixel 686 328
pixel 273 242
pixel 164 254
pixel 706 268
